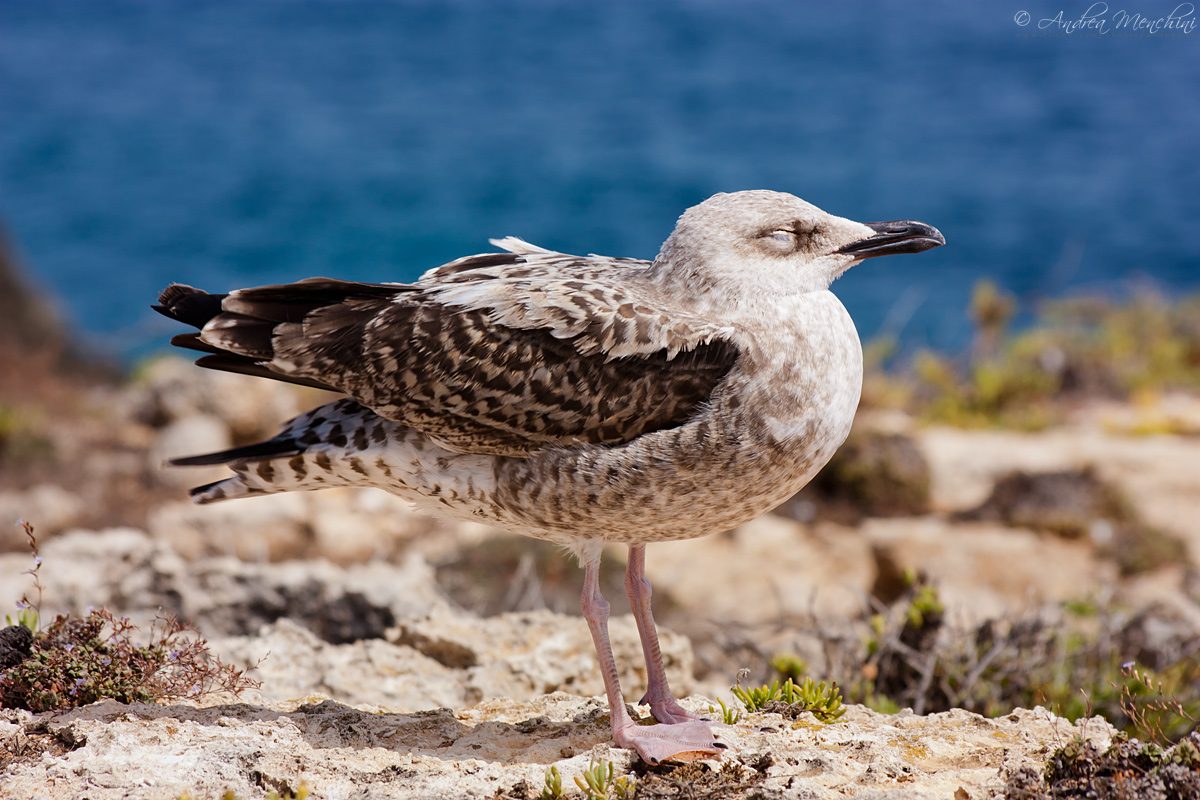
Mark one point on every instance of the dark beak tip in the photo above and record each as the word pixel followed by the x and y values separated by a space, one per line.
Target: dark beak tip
pixel 895 237
pixel 929 241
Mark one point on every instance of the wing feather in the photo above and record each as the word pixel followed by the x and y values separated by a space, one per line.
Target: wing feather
pixel 503 354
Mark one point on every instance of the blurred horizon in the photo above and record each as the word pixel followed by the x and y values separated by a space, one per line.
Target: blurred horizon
pixel 225 144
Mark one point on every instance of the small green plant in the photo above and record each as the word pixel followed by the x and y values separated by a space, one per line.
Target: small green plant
pixel 553 787
pixel 755 698
pixel 625 787
pixel 925 605
pixel 823 701
pixel 1185 754
pixel 1152 703
pixel 596 780
pixel 789 666
pixel 729 716
pixel 1128 768
pixel 79 660
pixel 28 612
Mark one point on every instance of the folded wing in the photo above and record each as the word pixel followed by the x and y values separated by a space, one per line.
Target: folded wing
pixel 500 353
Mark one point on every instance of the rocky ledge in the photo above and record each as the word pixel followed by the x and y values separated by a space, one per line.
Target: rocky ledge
pixel 504 748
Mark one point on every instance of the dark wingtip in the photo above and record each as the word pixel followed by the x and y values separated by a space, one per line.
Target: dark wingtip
pixel 173 294
pixel 186 304
pixel 199 490
pixel 191 341
pixel 206 460
pixel 272 448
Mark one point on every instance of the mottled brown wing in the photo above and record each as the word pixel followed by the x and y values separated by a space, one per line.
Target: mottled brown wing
pixel 483 387
pixel 526 369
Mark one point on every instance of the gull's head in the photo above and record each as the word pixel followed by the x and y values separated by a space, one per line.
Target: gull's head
pixel 772 242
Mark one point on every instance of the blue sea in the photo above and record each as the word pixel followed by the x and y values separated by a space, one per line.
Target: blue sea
pixel 224 143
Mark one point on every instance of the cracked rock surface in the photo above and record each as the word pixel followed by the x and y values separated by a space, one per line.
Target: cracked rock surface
pixel 501 748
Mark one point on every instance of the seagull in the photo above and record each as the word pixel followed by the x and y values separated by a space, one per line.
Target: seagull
pixel 577 399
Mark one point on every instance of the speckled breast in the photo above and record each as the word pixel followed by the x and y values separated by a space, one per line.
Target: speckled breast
pixel 771 425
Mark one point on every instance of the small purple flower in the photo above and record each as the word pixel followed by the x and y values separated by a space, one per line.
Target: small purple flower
pixel 37 561
pixel 22 605
pixel 1129 665
pixel 69 648
pixel 106 661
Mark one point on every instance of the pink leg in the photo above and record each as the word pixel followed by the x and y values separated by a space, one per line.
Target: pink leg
pixel 658 694
pixel 654 743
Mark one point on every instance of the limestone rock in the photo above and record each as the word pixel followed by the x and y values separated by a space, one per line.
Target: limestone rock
pixel 502 748
pixel 172 389
pixel 123 569
pixel 346 526
pixel 292 662
pixel 528 654
pixel 53 508
pixel 985 570
pixel 1157 473
pixel 765 569
pixel 188 436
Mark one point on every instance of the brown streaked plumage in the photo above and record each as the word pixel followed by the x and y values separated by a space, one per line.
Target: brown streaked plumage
pixel 575 399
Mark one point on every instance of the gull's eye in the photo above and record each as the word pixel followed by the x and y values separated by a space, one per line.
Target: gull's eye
pixel 783 237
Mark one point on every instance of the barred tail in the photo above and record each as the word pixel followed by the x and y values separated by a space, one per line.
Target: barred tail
pixel 307 454
pixel 227 489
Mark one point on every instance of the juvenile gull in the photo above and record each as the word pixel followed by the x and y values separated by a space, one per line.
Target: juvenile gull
pixel 578 399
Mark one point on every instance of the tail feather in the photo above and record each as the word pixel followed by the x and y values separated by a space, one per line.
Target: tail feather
pixel 189 305
pixel 272 448
pixel 227 362
pixel 240 334
pixel 238 330
pixel 227 489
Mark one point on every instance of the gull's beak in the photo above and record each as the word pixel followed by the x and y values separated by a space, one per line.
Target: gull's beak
pixel 897 236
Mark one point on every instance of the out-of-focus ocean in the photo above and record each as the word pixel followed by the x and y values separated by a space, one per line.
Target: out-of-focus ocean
pixel 238 142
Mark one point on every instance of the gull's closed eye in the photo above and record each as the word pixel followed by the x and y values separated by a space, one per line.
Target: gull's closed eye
pixel 784 237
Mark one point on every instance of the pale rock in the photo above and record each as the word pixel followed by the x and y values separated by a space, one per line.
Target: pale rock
pixel 127 571
pixel 269 528
pixel 448 658
pixel 52 509
pixel 354 525
pixel 343 751
pixel 172 389
pixel 116 568
pixel 526 654
pixel 1157 473
pixel 344 525
pixel 984 570
pixel 189 436
pixel 766 569
pixel 291 662
pixel 1173 411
